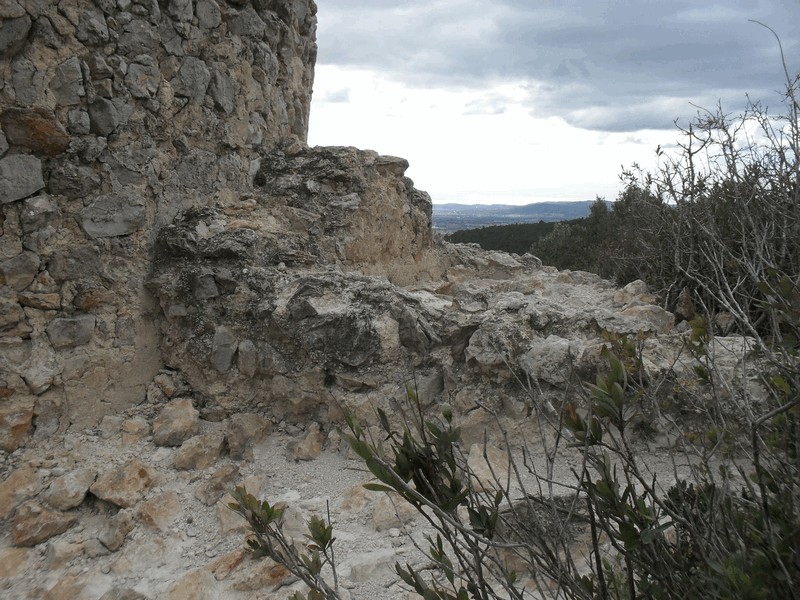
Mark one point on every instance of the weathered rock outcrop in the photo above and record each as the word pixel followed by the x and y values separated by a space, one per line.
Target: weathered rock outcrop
pixel 114 118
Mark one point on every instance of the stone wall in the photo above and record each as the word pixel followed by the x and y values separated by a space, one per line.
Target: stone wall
pixel 116 116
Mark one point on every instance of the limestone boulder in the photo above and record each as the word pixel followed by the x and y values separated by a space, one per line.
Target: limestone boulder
pixel 200 452
pixel 310 446
pixel 114 531
pixel 245 430
pixel 21 484
pixel 161 512
pixel 221 481
pixel 34 524
pixel 126 485
pixel 69 490
pixel 177 422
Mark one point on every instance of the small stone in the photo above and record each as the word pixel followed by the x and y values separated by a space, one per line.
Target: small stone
pixel 389 513
pixel 143 80
pixel 92 29
pixel 161 512
pixel 247 358
pixel 223 348
pixel 103 116
pixel 78 122
pixel 177 422
pixel 192 80
pixel 135 430
pixel 220 482
pixel 180 10
pixel 367 566
pixel 38 212
pixel 69 490
pixel 67 332
pixel 13 34
pixel 244 431
pixel 27 81
pixel 35 129
pixel 21 485
pixel 248 23
pixel 223 91
pixel 20 176
pixel 200 452
pixel 124 486
pixel 12 318
pixel 40 301
pixel 19 272
pixel 311 446
pixel 116 529
pixel 112 215
pixel 33 524
pixel 67 83
pixel 225 564
pixel 16 420
pixel 73 181
pixel 196 585
pixel 208 14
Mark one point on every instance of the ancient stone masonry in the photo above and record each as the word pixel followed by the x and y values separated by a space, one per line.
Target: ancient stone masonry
pixel 115 117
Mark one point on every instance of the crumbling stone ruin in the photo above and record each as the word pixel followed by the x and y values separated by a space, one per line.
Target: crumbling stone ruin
pixel 189 296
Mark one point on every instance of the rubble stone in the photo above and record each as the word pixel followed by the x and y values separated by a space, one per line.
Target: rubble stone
pixel 177 422
pixel 34 524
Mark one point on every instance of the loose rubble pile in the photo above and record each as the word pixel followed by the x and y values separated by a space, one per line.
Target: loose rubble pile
pixel 190 296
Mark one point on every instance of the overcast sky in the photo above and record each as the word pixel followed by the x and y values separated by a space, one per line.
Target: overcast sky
pixel 517 101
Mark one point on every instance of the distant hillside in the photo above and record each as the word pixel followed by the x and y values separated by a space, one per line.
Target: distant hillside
pixel 455 217
pixel 517 238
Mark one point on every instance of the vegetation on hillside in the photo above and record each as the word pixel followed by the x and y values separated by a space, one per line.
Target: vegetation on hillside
pixel 517 238
pixel 722 220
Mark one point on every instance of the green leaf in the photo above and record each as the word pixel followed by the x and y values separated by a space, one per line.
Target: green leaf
pixel 384 420
pixel 360 447
pixel 629 536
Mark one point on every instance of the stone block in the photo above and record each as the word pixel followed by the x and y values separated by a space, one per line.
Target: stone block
pixel 67 83
pixel 35 129
pixel 13 34
pixel 103 116
pixel 18 272
pixel 223 349
pixel 67 332
pixel 112 215
pixel 20 176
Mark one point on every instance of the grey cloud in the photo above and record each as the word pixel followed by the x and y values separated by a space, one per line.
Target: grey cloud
pixel 614 66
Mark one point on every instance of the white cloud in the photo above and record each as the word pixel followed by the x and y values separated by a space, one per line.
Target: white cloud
pixel 522 100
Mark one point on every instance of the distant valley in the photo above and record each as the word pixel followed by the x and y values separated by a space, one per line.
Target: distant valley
pixel 454 217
